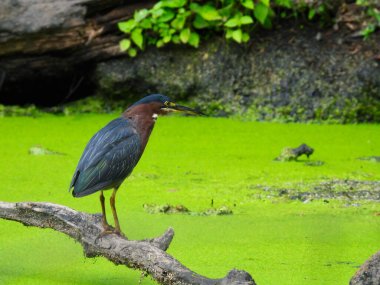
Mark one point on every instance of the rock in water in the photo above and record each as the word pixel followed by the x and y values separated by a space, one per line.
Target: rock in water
pixel 290 154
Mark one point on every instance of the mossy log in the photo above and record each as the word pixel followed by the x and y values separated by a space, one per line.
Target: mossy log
pixel 146 255
pixel 292 154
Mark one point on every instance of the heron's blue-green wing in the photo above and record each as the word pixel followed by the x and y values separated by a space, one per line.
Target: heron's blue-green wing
pixel 108 158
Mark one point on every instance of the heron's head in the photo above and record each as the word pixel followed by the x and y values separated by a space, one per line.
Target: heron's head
pixel 161 105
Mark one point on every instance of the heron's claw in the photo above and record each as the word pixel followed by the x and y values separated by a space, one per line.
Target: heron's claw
pixel 110 230
pixel 105 232
pixel 107 229
pixel 119 233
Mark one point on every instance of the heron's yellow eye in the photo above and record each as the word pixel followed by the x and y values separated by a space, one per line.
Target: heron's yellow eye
pixel 169 104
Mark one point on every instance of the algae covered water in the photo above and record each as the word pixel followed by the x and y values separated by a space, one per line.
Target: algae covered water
pixel 291 223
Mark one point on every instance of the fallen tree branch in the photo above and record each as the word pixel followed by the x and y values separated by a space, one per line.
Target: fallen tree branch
pixel 369 272
pixel 146 255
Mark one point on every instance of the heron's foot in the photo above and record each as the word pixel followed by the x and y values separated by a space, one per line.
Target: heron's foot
pixel 107 229
pixel 110 230
pixel 105 232
pixel 119 233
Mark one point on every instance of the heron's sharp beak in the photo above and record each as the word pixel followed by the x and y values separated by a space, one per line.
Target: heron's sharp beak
pixel 187 110
pixel 173 107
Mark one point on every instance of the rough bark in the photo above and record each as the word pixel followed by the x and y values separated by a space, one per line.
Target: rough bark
pixel 55 35
pixel 146 255
pixel 369 272
pixel 49 48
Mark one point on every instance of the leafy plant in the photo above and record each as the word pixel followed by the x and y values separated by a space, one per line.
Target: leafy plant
pixel 372 8
pixel 189 21
pixel 316 10
pixel 186 22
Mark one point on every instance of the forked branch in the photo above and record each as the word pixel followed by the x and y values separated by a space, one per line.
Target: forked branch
pixel 146 255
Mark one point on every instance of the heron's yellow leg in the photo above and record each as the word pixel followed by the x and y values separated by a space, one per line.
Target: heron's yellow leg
pixel 113 208
pixel 106 226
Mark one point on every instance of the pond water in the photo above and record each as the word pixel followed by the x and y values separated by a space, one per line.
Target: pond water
pixel 200 163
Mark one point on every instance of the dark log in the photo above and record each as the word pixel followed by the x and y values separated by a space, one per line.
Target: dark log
pixel 146 255
pixel 49 46
pixel 58 34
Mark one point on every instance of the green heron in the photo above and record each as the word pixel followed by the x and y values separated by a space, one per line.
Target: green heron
pixel 114 151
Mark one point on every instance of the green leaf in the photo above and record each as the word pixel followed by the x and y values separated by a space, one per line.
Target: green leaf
pixel 127 26
pixel 137 37
pixel 140 15
pixel 185 35
pixel 176 39
pixel 163 26
pixel 231 23
pixel 311 14
pixel 229 33
pixel 167 38
pixel 237 35
pixel 207 12
pixel 150 41
pixel 166 16
pixel 194 39
pixel 160 43
pixel 284 3
pixel 245 37
pixel 173 3
pixel 226 12
pixel 321 9
pixel 228 2
pixel 165 32
pixel 265 2
pixel 375 13
pixel 245 20
pixel 200 23
pixel 248 4
pixel 268 23
pixel 125 44
pixel 194 7
pixel 179 22
pixel 132 52
pixel 156 13
pixel 261 13
pixel 146 24
pixel 157 6
pixel 367 31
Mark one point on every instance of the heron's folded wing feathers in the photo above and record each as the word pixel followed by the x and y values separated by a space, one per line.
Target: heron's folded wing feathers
pixel 110 156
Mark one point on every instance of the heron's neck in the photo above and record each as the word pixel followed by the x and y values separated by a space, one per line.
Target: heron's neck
pixel 143 117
